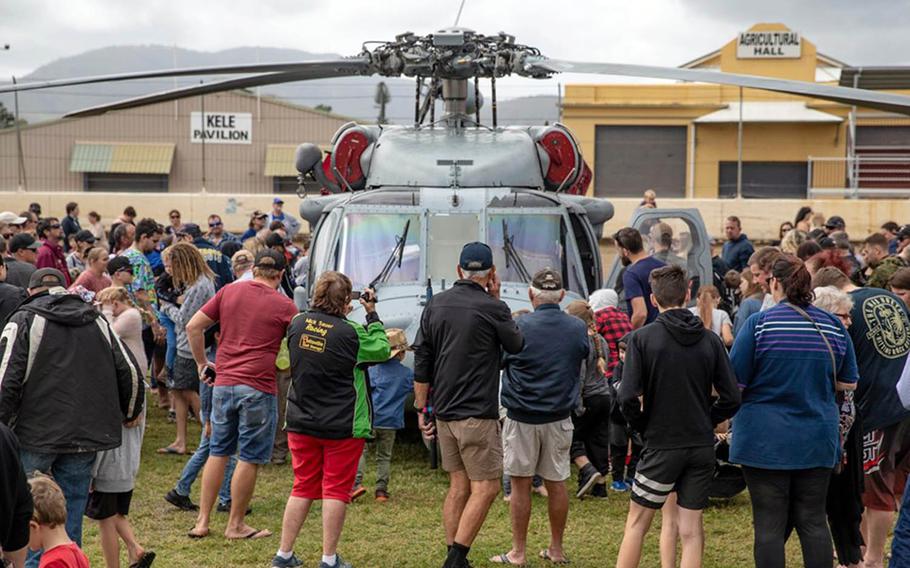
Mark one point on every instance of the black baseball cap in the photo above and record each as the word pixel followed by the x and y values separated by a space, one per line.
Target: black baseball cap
pixel 269 258
pixel 48 277
pixel 192 229
pixel 835 223
pixel 547 279
pixel 902 233
pixel 117 264
pixel 85 236
pixel 23 241
pixel 476 256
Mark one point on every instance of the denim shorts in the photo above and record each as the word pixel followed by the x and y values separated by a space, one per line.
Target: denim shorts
pixel 243 419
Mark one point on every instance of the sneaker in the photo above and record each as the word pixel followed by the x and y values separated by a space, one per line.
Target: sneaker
pixel 588 477
pixel 358 492
pixel 292 562
pixel 182 502
pixel 339 563
pixel 225 507
pixel 540 490
pixel 171 417
pixel 599 491
pixel 619 486
pixel 382 495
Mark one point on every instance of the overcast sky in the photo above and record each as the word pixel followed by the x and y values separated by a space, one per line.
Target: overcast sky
pixel 657 32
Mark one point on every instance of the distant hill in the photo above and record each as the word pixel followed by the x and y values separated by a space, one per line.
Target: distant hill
pixel 350 96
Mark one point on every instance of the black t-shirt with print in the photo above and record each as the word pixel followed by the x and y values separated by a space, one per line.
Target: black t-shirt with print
pixel 881 339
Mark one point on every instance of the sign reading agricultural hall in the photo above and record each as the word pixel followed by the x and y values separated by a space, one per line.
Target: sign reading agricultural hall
pixel 221 127
pixel 768 45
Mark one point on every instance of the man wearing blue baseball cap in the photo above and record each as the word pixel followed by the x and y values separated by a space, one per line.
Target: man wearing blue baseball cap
pixel 463 332
pixel 291 224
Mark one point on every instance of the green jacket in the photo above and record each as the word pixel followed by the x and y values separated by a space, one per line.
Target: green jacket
pixel 329 355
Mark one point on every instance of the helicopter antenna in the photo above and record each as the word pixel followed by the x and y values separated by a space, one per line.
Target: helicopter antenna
pixel 458 17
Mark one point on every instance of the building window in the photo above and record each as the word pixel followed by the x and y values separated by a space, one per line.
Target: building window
pixel 764 180
pixel 631 159
pixel 93 181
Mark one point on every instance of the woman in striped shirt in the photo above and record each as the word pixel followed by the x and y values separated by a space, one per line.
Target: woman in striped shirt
pixel 790 361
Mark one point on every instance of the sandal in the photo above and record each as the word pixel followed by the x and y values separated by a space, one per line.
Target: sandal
pixel 545 555
pixel 254 535
pixel 144 561
pixel 504 559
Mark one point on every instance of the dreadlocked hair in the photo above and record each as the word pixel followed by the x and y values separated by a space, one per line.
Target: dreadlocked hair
pixel 187 264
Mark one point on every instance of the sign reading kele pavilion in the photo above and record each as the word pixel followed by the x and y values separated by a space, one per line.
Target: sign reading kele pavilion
pixel 221 127
pixel 768 45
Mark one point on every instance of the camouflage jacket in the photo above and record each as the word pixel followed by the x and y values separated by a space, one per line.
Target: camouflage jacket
pixel 884 270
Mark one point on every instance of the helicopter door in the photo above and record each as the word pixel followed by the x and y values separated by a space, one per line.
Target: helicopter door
pixel 675 236
pixel 588 251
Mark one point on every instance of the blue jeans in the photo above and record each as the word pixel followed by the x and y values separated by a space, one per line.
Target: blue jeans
pixel 73 473
pixel 243 422
pixel 536 482
pixel 900 546
pixel 194 466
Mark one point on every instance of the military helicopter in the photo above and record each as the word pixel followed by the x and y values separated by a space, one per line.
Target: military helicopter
pixel 399 201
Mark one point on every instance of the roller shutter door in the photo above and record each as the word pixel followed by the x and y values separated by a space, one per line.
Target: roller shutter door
pixel 630 159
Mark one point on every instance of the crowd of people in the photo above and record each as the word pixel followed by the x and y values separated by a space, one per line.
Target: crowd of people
pixel 789 367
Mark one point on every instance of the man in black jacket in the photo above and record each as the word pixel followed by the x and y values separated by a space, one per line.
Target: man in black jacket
pixel 68 385
pixel 458 349
pixel 15 501
pixel 10 296
pixel 670 368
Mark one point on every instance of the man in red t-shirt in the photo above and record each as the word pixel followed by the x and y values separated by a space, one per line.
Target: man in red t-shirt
pixel 253 318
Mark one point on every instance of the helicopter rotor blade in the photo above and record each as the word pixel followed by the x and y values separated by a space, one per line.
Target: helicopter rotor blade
pixel 846 95
pixel 302 72
pixel 158 73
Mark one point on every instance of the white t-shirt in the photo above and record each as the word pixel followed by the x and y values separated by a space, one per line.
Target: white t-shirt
pixel 718 319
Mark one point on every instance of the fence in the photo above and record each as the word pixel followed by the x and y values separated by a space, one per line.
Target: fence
pixel 864 175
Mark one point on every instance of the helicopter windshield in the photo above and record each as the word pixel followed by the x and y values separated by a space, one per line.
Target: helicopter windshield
pixel 535 239
pixel 366 241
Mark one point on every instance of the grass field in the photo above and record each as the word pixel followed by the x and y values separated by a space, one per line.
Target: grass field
pixel 405 532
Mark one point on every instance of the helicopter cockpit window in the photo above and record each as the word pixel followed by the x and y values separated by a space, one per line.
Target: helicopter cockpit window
pixel 519 199
pixel 367 240
pixel 524 244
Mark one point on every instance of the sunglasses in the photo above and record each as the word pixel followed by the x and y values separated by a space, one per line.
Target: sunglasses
pixel 175 216
pixel 218 224
pixel 55 226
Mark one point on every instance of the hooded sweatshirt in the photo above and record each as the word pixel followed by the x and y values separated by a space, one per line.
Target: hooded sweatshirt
pixel 673 364
pixel 68 382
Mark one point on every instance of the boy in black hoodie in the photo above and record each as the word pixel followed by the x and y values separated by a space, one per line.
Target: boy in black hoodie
pixel 670 369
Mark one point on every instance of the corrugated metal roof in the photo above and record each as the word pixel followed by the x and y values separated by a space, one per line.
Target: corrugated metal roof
pixel 279 160
pixel 142 158
pixel 91 157
pixel 122 158
pixel 768 112
pixel 876 78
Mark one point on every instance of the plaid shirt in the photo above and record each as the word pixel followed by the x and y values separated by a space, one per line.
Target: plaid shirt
pixel 612 324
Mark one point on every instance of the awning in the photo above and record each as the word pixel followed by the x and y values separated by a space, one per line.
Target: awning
pixel 122 158
pixel 768 112
pixel 279 159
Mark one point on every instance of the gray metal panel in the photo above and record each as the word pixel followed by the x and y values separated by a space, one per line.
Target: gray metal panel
pixel 630 159
pixel 403 157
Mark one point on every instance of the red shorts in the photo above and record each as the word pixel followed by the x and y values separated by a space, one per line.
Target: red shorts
pixel 324 469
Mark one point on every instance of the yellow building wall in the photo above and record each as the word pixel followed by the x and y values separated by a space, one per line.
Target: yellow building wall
pixel 587 106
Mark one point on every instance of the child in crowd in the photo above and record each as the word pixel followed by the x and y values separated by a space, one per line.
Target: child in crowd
pixel 391 383
pixel 621 433
pixel 115 470
pixel 48 527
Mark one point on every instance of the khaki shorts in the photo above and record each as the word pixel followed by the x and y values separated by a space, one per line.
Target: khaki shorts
pixel 472 445
pixel 541 449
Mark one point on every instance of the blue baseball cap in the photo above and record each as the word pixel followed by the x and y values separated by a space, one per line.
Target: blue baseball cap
pixel 476 256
